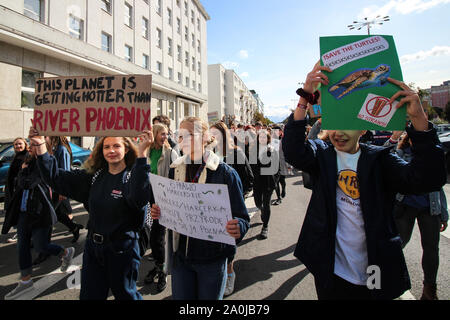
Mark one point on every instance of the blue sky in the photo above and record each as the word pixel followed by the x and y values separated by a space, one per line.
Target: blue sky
pixel 273 44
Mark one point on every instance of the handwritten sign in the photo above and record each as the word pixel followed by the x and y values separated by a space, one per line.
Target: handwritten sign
pixel 93 106
pixel 355 98
pixel 199 211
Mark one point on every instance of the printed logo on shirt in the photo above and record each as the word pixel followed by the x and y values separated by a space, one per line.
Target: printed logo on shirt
pixel 116 194
pixel 348 183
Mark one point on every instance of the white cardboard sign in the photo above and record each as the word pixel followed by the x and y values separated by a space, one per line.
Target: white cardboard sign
pixel 199 211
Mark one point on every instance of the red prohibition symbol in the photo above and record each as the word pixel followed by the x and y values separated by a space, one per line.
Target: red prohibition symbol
pixel 378 107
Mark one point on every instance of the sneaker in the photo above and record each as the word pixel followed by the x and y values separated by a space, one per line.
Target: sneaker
pixel 66 260
pixel 151 276
pixel 276 202
pixel 264 232
pixel 230 284
pixel 21 289
pixel 76 232
pixel 13 239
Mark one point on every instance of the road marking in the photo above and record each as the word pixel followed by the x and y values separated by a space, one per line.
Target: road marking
pixel 406 296
pixel 251 207
pixel 51 279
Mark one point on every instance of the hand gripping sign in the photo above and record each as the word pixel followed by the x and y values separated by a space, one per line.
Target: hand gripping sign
pixel 116 105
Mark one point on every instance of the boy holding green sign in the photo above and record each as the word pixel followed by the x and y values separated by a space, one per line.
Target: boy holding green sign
pixel 348 240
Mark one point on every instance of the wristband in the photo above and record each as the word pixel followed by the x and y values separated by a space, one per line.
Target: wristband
pixel 37 145
pixel 312 98
pixel 302 106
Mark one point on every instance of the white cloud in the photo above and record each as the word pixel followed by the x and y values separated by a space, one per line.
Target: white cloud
pixel 244 75
pixel 400 7
pixel 243 54
pixel 277 111
pixel 230 65
pixel 422 55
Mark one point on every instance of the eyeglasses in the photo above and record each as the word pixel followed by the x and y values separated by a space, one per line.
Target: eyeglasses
pixel 187 136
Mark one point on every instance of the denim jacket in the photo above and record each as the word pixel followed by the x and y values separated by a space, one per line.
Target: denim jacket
pixel 438 201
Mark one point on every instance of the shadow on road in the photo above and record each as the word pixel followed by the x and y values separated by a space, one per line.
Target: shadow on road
pixel 262 268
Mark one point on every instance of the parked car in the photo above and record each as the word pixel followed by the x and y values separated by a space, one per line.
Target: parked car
pixel 79 155
pixel 442 128
pixel 445 140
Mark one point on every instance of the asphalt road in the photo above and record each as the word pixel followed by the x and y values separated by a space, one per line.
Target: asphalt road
pixel 266 269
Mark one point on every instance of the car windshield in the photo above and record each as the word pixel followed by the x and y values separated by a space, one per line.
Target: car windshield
pixel 3 146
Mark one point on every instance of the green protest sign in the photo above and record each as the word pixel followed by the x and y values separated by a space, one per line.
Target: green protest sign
pixel 358 93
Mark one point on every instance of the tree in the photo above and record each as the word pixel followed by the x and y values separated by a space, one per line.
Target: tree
pixel 447 111
pixel 260 117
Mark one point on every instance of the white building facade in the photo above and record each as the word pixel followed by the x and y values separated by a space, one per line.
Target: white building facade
pixel 43 38
pixel 228 96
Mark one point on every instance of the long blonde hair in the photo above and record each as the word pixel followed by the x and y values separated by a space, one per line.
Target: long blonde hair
pixel 97 161
pixel 156 129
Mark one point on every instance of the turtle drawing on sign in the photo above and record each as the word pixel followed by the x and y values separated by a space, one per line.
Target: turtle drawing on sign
pixel 361 79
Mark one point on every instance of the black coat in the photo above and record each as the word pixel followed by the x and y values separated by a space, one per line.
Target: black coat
pixel 38 207
pixel 14 168
pixel 237 159
pixel 381 175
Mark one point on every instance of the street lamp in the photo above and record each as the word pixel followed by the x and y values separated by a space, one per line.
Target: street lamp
pixel 361 24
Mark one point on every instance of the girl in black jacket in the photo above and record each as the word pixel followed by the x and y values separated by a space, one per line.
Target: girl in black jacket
pixel 31 211
pixel 115 189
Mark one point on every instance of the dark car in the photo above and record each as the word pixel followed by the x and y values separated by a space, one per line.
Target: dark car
pixel 79 155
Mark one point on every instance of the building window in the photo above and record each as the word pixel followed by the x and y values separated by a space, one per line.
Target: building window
pixel 178 25
pixel 178 3
pixel 193 85
pixel 106 5
pixel 158 38
pixel 28 84
pixel 158 67
pixel 159 107
pixel 171 113
pixel 186 109
pixel 158 7
pixel 192 16
pixel 200 87
pixel 128 53
pixel 186 8
pixel 179 53
pixel 179 77
pixel 145 28
pixel 170 73
pixel 75 27
pixel 169 16
pixel 198 24
pixel 186 33
pixel 198 46
pixel 145 61
pixel 197 110
pixel 187 82
pixel 199 68
pixel 128 17
pixel 34 9
pixel 186 59
pixel 193 63
pixel 169 46
pixel 106 42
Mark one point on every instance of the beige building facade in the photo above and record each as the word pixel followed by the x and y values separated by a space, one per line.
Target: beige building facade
pixel 229 97
pixel 43 38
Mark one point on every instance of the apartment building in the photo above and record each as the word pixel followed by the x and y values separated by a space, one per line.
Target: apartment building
pixel 440 95
pixel 43 38
pixel 228 96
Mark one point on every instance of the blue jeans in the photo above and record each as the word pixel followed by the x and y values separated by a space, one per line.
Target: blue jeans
pixel 112 266
pixel 25 233
pixel 202 281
